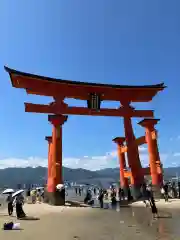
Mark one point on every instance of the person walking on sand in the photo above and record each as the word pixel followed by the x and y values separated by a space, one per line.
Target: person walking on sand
pixel 95 191
pixel 101 198
pixel 18 202
pixel 166 194
pixel 179 189
pixel 33 196
pixel 154 209
pixel 113 198
pixel 38 196
pixel 10 204
pixel 145 194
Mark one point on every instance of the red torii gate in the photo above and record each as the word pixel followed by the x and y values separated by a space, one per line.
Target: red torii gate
pixel 155 166
pixel 94 94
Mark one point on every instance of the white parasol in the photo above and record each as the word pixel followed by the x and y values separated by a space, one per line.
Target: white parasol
pixel 60 186
pixel 17 193
pixel 8 191
pixel 39 188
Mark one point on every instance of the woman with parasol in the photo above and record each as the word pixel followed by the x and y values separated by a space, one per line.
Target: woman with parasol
pixel 9 200
pixel 18 202
pixel 10 204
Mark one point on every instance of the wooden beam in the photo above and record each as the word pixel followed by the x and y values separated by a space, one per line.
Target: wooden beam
pixel 145 171
pixel 127 174
pixel 55 109
pixel 139 141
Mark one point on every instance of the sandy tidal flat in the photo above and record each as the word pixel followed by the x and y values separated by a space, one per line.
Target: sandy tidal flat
pixel 86 223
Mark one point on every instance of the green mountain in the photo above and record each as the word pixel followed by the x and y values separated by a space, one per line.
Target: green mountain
pixel 10 177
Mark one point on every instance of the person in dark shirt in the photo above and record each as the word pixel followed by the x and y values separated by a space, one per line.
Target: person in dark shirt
pixel 153 207
pixel 88 199
pixel 94 191
pixel 10 204
pixel 18 202
pixel 101 198
pixel 166 192
pixel 113 198
pixel 179 189
pixel 28 193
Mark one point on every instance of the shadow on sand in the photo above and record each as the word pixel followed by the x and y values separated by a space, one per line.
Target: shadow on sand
pixel 25 218
pixel 29 218
pixel 167 216
pixel 19 229
pixel 6 215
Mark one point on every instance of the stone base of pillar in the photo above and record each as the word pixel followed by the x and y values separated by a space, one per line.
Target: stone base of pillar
pixel 46 199
pixel 156 192
pixel 135 192
pixel 56 198
pixel 125 189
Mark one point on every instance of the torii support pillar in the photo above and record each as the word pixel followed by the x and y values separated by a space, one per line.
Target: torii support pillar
pixel 122 162
pixel 133 158
pixel 56 197
pixel 49 139
pixel 154 158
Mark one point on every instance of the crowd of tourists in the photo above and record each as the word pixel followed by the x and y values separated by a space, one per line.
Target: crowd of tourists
pixel 170 190
pixel 35 195
pixel 104 196
pixel 108 198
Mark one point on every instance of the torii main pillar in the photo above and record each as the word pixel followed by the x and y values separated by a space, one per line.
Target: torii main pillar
pixel 133 154
pixel 122 162
pixel 55 171
pixel 49 140
pixel 154 158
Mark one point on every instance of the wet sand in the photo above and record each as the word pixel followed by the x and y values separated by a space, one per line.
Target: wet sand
pixel 98 224
pixel 171 204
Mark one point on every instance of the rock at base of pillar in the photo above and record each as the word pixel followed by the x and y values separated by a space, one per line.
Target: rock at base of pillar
pixel 46 199
pixel 156 192
pixel 56 198
pixel 125 190
pixel 136 192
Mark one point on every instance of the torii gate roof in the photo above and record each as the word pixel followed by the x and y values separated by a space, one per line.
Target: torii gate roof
pixel 45 86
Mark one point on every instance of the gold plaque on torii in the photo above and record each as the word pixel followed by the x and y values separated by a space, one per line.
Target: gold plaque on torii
pixel 154 134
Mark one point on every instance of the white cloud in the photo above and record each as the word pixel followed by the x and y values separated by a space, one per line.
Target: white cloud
pixel 18 162
pixel 177 154
pixel 92 163
pixel 109 160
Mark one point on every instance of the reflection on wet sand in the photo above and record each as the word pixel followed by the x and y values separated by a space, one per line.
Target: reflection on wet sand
pixel 88 223
pixel 166 226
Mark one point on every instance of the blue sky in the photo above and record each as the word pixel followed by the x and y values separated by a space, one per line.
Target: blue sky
pixel 120 42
